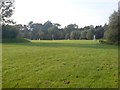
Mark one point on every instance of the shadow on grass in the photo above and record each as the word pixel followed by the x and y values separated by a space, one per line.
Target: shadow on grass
pixel 73 45
pixel 15 40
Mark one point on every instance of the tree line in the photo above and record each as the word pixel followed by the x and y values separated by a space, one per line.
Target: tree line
pixel 52 31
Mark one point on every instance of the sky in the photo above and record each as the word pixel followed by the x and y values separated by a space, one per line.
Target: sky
pixel 64 12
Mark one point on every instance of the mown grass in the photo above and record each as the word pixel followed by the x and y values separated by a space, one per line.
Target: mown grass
pixel 60 64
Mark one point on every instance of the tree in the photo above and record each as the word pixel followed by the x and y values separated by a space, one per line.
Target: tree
pixel 26 34
pixel 57 24
pixel 30 25
pixel 75 34
pixel 47 25
pixel 9 31
pixel 69 28
pixel 20 31
pixel 105 31
pixel 45 28
pixel 35 28
pixel 90 34
pixel 61 34
pixel 53 31
pixel 41 34
pixel 7 9
pixel 99 31
pixel 112 33
pixel 83 34
pixel 67 36
pixel 86 28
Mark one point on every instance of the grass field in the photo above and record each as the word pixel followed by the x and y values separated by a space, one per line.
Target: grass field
pixel 60 64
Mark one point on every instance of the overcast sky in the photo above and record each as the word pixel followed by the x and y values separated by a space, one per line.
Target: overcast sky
pixel 64 12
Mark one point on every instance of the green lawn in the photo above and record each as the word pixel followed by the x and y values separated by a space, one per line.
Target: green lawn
pixel 59 64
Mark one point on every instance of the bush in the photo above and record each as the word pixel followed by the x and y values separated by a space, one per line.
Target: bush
pixel 102 41
pixel 108 42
